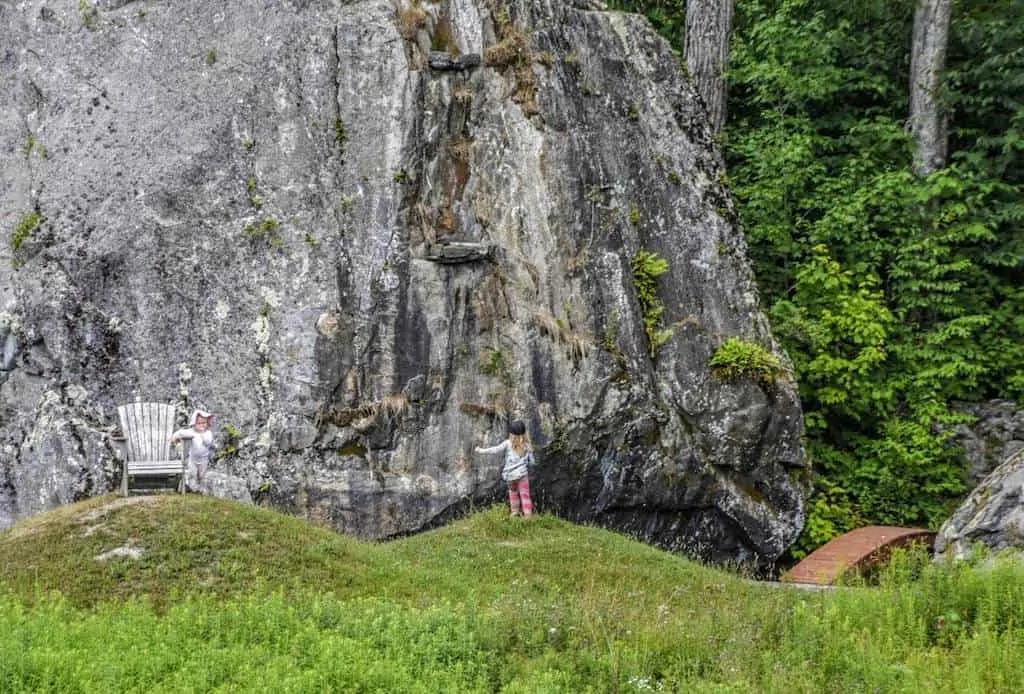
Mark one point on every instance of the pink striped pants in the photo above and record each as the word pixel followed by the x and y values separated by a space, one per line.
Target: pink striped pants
pixel 519 494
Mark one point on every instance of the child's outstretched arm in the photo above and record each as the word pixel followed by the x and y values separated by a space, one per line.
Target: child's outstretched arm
pixel 186 433
pixel 492 449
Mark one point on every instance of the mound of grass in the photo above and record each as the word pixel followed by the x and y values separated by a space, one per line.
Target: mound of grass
pixel 162 548
pixel 165 548
pixel 174 593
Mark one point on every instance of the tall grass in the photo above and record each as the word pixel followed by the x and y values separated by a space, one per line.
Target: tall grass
pixel 493 605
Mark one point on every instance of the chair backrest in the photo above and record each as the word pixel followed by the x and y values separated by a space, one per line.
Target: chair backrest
pixel 147 428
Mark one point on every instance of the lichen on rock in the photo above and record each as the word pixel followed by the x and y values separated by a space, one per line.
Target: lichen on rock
pixel 587 148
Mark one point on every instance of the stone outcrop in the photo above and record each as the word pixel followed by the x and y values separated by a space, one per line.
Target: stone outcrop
pixel 991 516
pixel 996 434
pixel 239 204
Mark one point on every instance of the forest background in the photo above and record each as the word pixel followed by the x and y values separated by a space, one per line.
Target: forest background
pixel 891 265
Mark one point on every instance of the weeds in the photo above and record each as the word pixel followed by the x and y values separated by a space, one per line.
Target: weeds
pixel 267 230
pixel 232 441
pixel 410 20
pixel 88 13
pixel 512 53
pixel 576 344
pixel 228 597
pixel 366 415
pixel 496 365
pixel 25 228
pixel 340 134
pixel 738 358
pixel 647 267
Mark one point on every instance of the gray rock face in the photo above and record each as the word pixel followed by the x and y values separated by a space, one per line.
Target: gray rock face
pixel 225 486
pixel 992 515
pixel 997 434
pixel 240 205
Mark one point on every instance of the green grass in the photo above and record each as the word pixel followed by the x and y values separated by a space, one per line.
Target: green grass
pixel 225 597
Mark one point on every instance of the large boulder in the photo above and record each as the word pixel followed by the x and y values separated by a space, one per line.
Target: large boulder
pixel 991 516
pixel 365 266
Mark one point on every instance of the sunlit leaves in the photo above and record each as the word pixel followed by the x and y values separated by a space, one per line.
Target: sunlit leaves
pixel 895 296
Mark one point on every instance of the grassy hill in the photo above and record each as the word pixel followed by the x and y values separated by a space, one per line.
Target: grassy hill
pixel 188 593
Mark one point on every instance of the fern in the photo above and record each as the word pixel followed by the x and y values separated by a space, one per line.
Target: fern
pixel 647 268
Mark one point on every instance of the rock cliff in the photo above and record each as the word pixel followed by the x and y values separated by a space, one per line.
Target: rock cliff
pixel 996 434
pixel 366 234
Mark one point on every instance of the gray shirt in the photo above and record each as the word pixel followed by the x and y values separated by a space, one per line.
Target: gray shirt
pixel 516 466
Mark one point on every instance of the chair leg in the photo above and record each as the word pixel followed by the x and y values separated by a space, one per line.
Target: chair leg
pixel 124 480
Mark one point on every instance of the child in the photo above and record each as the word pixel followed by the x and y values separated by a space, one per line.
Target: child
pixel 199 434
pixel 518 461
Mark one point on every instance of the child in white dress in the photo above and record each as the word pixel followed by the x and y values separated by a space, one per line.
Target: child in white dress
pixel 199 434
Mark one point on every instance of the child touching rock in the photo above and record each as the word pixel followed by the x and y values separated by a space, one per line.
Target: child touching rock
pixel 515 471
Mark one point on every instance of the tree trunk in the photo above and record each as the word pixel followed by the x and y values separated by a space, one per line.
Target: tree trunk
pixel 927 61
pixel 708 28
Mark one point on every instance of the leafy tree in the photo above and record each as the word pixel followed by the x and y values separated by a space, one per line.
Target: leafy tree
pixel 896 290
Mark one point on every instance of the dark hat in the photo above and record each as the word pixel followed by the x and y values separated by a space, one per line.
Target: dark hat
pixel 517 428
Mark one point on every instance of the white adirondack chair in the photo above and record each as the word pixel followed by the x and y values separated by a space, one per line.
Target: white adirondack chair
pixel 147 428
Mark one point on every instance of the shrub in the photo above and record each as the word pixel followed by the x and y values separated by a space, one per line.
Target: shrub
pixel 738 358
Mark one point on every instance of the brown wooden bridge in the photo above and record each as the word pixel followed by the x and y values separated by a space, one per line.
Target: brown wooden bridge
pixel 856 551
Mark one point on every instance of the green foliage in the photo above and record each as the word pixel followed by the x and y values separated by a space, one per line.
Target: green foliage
pixel 267 231
pixel 885 289
pixel 737 358
pixel 30 144
pixel 496 365
pixel 211 56
pixel 340 133
pixel 24 229
pixel 255 199
pixel 894 296
pixel 231 440
pixel 667 16
pixel 836 334
pixel 647 267
pixel 88 13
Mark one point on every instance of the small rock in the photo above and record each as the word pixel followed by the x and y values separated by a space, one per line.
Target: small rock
pixel 123 551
